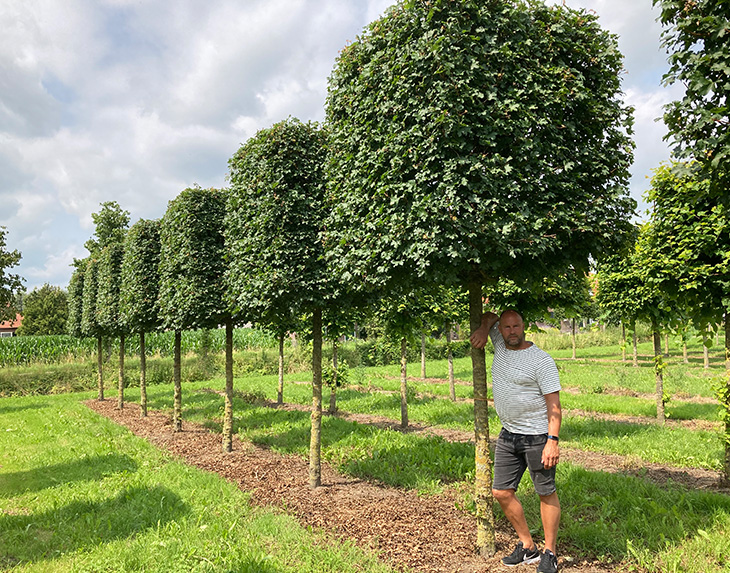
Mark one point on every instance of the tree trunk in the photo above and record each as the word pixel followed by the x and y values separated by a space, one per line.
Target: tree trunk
pixel 666 344
pixel 315 443
pixel 572 335
pixel 120 394
pixel 483 499
pixel 423 356
pixel 658 373
pixel 452 385
pixel 142 376
pixel 99 367
pixel 403 383
pixel 280 391
pixel 726 404
pixel 228 406
pixel 635 344
pixel 623 344
pixel 333 393
pixel 706 349
pixel 177 383
pixel 685 357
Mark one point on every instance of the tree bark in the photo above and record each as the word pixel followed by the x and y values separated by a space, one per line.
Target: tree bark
pixel 635 344
pixel 403 383
pixel 483 499
pixel 423 356
pixel 177 383
pixel 280 390
pixel 726 406
pixel 228 401
pixel 99 368
pixel 142 376
pixel 333 392
pixel 120 393
pixel 623 345
pixel 658 373
pixel 452 385
pixel 572 335
pixel 706 349
pixel 666 344
pixel 315 443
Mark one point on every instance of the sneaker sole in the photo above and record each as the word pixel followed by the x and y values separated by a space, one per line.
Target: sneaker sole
pixel 525 562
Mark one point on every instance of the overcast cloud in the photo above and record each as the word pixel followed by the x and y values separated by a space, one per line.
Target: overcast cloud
pixel 133 101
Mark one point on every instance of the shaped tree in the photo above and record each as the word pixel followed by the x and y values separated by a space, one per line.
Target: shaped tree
pixel 191 273
pixel 109 280
pixel 474 140
pixel 139 290
pixel 273 223
pixel 89 321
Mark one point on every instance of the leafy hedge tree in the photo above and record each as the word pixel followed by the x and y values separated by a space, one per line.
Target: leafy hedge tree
pixel 10 284
pixel 191 275
pixel 109 280
pixel 274 219
pixel 45 311
pixel 139 290
pixel 696 38
pixel 471 141
pixel 690 247
pixel 89 320
pixel 76 299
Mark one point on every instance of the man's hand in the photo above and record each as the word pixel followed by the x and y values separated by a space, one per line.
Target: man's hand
pixel 550 454
pixel 480 336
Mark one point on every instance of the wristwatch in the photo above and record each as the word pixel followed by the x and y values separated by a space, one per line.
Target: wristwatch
pixel 551 437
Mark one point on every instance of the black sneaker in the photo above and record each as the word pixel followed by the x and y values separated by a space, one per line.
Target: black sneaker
pixel 521 555
pixel 548 563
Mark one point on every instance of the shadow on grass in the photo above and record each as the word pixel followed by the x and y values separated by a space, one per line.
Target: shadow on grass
pixel 13 409
pixel 82 525
pixel 80 470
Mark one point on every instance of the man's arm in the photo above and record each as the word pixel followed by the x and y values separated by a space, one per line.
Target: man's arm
pixel 480 336
pixel 551 451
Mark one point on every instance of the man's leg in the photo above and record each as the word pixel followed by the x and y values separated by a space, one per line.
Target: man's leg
pixel 550 514
pixel 512 509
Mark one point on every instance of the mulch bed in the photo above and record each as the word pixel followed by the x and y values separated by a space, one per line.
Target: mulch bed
pixel 425 534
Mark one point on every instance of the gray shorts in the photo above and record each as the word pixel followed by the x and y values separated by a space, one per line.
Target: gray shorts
pixel 514 454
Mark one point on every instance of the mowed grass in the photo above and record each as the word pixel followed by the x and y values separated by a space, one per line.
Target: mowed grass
pixel 79 493
pixel 623 520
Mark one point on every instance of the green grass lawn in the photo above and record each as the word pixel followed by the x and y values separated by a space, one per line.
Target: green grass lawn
pixel 78 493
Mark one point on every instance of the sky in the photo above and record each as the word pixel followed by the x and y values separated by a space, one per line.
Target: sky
pixel 135 100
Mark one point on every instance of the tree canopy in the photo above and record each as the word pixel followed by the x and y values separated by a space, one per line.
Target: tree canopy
pixel 45 311
pixel 696 38
pixel 141 277
pixel 475 136
pixel 191 260
pixel 10 284
pixel 111 224
pixel 274 218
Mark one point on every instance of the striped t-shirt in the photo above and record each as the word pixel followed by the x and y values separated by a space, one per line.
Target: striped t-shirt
pixel 520 380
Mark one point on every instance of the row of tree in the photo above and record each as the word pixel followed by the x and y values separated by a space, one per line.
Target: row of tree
pixel 481 146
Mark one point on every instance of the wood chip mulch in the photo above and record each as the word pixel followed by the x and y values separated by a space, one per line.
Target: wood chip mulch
pixel 410 532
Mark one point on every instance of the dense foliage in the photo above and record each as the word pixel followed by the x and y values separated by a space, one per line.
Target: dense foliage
pixel 10 284
pixel 45 311
pixel 141 277
pixel 191 260
pixel 476 136
pixel 696 37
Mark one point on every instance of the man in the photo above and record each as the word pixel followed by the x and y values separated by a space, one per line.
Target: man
pixel 526 389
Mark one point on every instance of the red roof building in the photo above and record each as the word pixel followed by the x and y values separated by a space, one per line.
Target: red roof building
pixel 8 327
